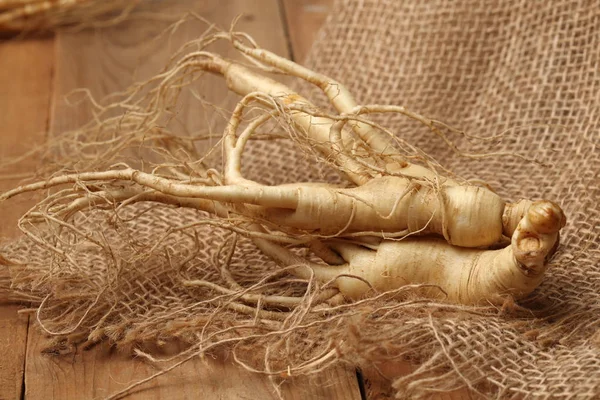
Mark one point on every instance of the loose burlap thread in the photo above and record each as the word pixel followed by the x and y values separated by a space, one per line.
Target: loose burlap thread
pixel 528 69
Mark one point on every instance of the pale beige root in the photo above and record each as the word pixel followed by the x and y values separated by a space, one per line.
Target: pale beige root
pixel 42 15
pixel 459 275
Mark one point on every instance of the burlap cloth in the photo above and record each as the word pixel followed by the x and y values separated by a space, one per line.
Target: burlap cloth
pixel 487 66
pixel 530 68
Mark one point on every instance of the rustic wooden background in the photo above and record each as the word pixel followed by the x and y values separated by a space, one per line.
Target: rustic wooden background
pixel 35 75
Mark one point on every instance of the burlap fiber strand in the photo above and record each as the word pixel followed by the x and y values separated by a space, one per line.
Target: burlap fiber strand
pixel 487 67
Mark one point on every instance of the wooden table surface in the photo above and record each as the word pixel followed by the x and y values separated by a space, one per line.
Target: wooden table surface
pixel 35 75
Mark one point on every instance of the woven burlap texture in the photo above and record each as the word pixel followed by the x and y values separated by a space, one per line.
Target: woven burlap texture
pixel 531 69
pixel 486 67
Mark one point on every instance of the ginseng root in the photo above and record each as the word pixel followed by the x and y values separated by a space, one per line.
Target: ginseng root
pixel 390 197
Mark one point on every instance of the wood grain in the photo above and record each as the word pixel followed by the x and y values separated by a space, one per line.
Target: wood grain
pixel 304 19
pixel 13 339
pixel 25 86
pixel 25 76
pixel 105 62
pixel 102 372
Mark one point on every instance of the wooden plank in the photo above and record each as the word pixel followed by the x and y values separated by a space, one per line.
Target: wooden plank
pixel 25 76
pixel 105 62
pixel 304 19
pixel 101 372
pixel 13 340
pixel 25 86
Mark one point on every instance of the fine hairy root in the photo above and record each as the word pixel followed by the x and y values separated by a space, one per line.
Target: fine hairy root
pixel 375 233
